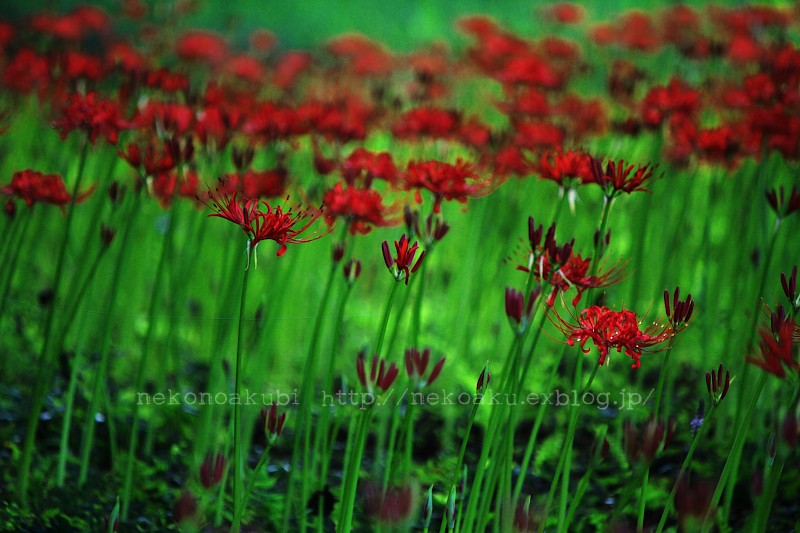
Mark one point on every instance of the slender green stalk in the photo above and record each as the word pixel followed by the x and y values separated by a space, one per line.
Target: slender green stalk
pixel 111 302
pixel 560 468
pixel 385 320
pixel 542 411
pixel 416 315
pixel 322 445
pixel 646 475
pixel 251 483
pixel 352 472
pixel 46 370
pixel 684 468
pixel 736 449
pixel 238 464
pixel 144 359
pixel 462 451
pixel 583 484
pixel 743 387
pixel 306 390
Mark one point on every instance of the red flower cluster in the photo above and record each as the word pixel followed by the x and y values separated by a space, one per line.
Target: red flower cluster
pixel 361 208
pixel 266 222
pixel 608 330
pixel 33 187
pixel 446 182
pixel 93 115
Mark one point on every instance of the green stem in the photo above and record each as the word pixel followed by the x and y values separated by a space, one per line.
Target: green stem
pixel 251 483
pixel 144 359
pixel 237 407
pixel 385 320
pixel 573 425
pixel 45 371
pixel 736 450
pixel 744 383
pixel 684 467
pixel 352 472
pixel 309 373
pixel 526 459
pixel 461 453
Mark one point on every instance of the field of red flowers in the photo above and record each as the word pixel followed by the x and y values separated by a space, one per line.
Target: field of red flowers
pixel 507 280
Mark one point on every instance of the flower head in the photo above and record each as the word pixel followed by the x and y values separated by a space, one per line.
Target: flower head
pixel 400 264
pixel 446 182
pixel 617 178
pixel 273 422
pixel 716 385
pixel 33 187
pixel 778 350
pixel 620 330
pixel 380 375
pixel 680 312
pixel 212 469
pixel 265 222
pixel 417 364
pixel 95 116
pixel 362 208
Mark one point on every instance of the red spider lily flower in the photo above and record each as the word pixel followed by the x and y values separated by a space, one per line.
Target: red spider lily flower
pixel 94 115
pixel 574 273
pixel 380 376
pixel 289 68
pixel 162 186
pixel 246 68
pixel 266 222
pixel 254 184
pixel 617 177
pixel 361 208
pixel 781 205
pixel 446 182
pixel 26 72
pixel 273 422
pixel 364 56
pixel 559 166
pixel 649 442
pixel 400 265
pixel 538 135
pixel 427 121
pixel 202 46
pixel 620 330
pixel 566 13
pixel 212 469
pixel 676 98
pixel 417 364
pixel 262 40
pixel 365 166
pixel 76 65
pixel 680 312
pixel 778 351
pixel 33 187
pixel 717 386
pixel 169 82
pixel 152 161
